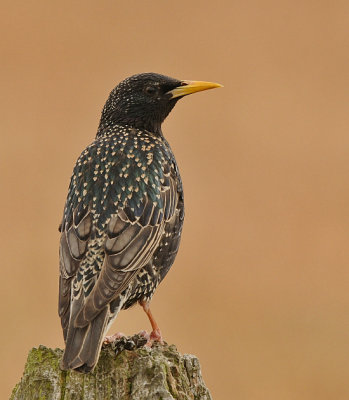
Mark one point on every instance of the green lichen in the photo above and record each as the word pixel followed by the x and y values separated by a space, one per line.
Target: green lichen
pixel 143 373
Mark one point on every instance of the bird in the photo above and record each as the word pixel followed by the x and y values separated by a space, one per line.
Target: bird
pixel 123 217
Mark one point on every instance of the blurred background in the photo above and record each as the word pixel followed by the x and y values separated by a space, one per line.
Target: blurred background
pixel 259 290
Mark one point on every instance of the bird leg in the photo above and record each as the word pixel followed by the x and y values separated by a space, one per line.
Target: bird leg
pixel 155 336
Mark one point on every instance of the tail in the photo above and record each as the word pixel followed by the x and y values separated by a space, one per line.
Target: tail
pixel 83 345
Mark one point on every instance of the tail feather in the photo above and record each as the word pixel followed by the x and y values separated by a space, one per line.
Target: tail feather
pixel 83 345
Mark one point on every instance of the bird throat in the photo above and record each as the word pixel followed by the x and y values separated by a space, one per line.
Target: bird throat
pixel 150 122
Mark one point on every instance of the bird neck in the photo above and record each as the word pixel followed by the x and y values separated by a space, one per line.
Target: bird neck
pixel 151 126
pixel 107 125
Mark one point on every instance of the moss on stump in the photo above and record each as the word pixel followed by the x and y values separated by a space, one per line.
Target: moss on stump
pixel 141 373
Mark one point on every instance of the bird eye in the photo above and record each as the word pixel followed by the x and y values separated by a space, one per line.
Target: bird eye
pixel 150 90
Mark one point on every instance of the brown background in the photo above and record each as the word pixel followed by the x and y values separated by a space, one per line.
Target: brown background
pixel 259 291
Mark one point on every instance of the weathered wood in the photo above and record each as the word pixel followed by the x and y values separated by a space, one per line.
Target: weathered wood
pixel 143 373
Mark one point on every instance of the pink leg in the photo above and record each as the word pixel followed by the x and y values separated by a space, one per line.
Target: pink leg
pixel 155 336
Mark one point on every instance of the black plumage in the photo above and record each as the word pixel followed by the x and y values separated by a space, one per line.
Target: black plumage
pixel 123 216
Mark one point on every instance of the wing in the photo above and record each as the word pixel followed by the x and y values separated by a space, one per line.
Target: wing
pixel 73 246
pixel 132 236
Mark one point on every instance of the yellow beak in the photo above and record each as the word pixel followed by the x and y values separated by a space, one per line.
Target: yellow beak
pixel 189 87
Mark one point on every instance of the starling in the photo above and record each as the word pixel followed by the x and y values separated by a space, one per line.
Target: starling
pixel 123 216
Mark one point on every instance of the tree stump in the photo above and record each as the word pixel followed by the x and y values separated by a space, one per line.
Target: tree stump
pixel 125 370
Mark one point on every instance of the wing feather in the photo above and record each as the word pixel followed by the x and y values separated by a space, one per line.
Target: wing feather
pixel 72 249
pixel 132 236
pixel 130 243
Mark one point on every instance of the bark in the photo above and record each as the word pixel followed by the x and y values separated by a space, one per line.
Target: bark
pixel 140 373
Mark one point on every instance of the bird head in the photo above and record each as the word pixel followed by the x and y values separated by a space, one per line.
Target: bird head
pixel 143 101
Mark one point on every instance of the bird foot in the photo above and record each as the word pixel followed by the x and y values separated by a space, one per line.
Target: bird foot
pixel 155 336
pixel 113 338
pixel 144 334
